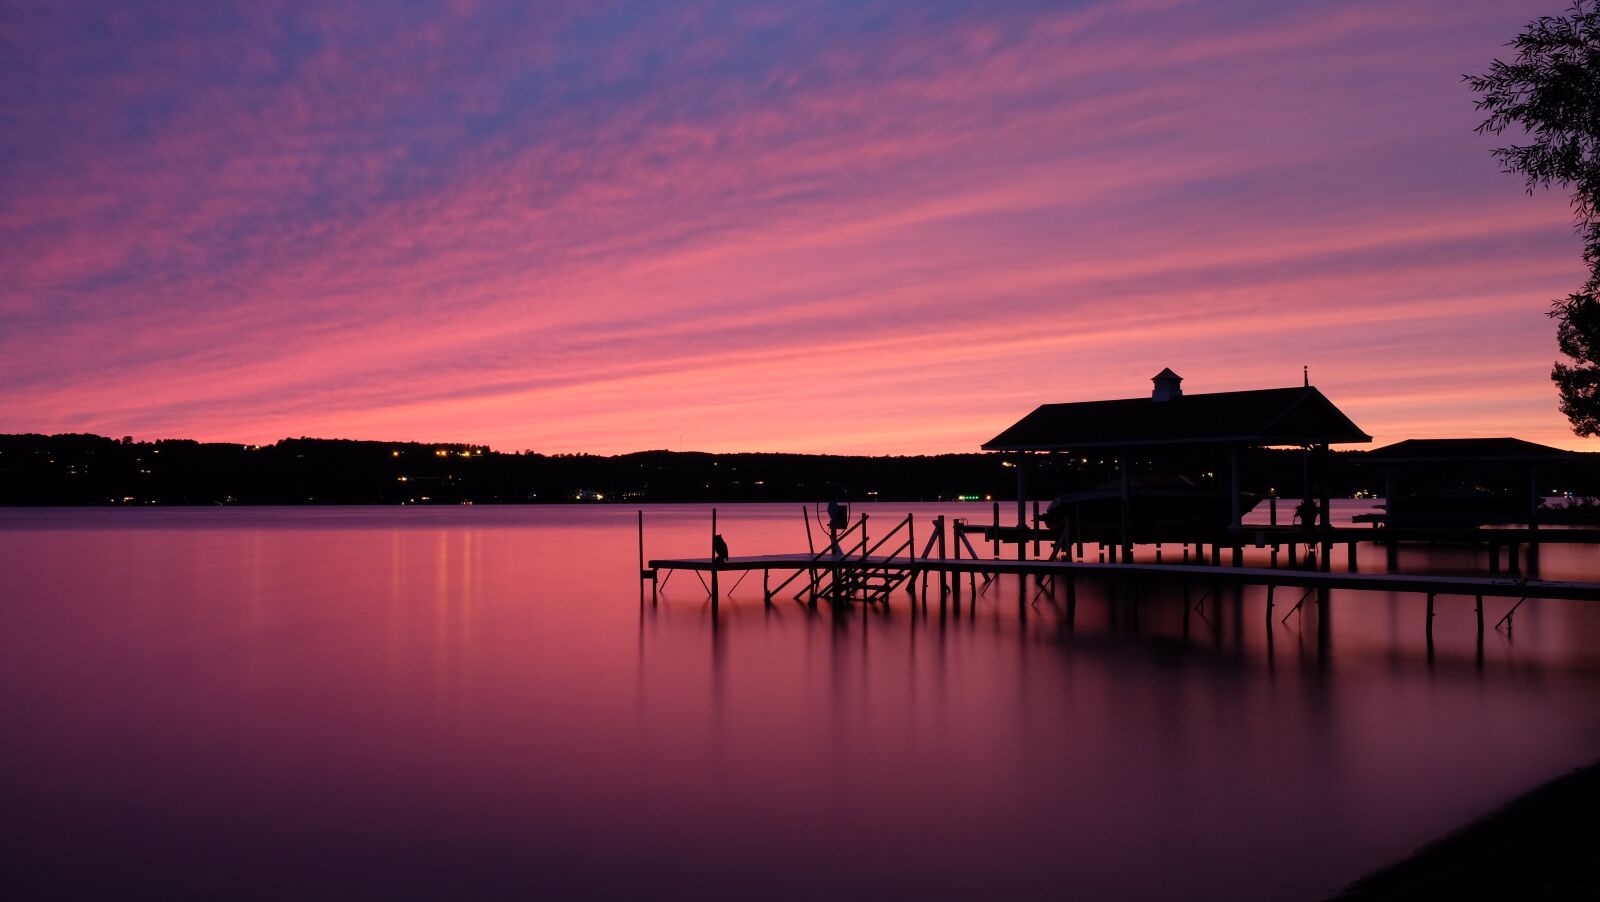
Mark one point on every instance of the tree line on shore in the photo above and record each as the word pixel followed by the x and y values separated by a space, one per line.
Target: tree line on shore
pixel 94 470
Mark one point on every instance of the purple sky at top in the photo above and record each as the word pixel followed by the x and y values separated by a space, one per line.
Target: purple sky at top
pixel 850 227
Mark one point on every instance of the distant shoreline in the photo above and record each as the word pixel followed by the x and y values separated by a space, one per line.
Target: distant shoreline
pixel 91 470
pixel 1539 846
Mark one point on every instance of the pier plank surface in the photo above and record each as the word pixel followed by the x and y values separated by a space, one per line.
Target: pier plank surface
pixel 1497 586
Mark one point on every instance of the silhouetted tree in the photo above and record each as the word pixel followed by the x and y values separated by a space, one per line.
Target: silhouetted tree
pixel 1551 89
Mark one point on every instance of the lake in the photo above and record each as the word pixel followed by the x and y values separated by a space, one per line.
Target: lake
pixel 473 703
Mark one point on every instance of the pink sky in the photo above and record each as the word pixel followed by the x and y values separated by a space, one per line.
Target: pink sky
pixel 800 227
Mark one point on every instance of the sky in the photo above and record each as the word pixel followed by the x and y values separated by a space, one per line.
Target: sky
pixel 841 227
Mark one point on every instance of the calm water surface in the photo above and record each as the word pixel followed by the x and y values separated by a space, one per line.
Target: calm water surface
pixel 473 703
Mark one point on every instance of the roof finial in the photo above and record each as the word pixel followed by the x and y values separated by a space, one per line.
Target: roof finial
pixel 1305 373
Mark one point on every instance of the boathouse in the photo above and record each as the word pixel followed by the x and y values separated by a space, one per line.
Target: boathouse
pixel 1404 462
pixel 1231 422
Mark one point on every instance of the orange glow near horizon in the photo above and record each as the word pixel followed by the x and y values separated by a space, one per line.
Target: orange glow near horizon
pixel 766 229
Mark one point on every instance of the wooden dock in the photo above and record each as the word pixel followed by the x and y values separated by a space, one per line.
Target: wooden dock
pixel 1425 584
pixel 848 569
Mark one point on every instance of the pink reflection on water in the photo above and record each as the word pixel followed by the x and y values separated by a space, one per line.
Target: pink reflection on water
pixel 413 702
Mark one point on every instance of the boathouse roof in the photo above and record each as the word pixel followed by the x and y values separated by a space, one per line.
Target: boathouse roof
pixel 1300 415
pixel 1465 450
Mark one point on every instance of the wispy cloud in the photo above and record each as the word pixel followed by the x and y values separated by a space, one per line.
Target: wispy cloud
pixel 755 226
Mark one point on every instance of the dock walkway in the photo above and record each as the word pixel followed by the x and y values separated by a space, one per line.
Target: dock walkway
pixel 1428 584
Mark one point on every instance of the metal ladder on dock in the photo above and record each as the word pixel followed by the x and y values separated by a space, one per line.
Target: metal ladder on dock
pixel 853 574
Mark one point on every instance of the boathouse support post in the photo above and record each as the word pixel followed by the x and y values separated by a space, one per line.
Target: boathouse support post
pixel 995 545
pixel 1325 504
pixel 1534 497
pixel 1022 507
pixel 1236 510
pixel 1035 528
pixel 1127 506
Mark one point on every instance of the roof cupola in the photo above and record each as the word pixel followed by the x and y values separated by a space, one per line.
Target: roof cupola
pixel 1169 385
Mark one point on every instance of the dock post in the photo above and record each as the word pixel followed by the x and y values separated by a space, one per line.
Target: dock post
pixel 1270 587
pixel 1430 616
pixel 1036 529
pixel 943 588
pixel 1534 500
pixel 1511 557
pixel 1480 617
pixel 715 589
pixel 1022 508
pixel 1126 537
pixel 955 575
pixel 996 553
pixel 1350 556
pixel 1494 558
pixel 766 586
pixel 911 541
pixel 641 558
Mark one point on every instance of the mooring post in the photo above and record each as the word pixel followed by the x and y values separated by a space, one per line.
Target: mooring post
pixel 955 576
pixel 943 588
pixel 1480 616
pixel 996 554
pixel 1035 529
pixel 1022 508
pixel 715 589
pixel 641 558
pixel 1430 615
pixel 911 543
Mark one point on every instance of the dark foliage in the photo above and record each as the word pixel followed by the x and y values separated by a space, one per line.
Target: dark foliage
pixel 90 469
pixel 1551 91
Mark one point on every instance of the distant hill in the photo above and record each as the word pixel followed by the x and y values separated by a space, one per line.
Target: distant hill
pixel 95 470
